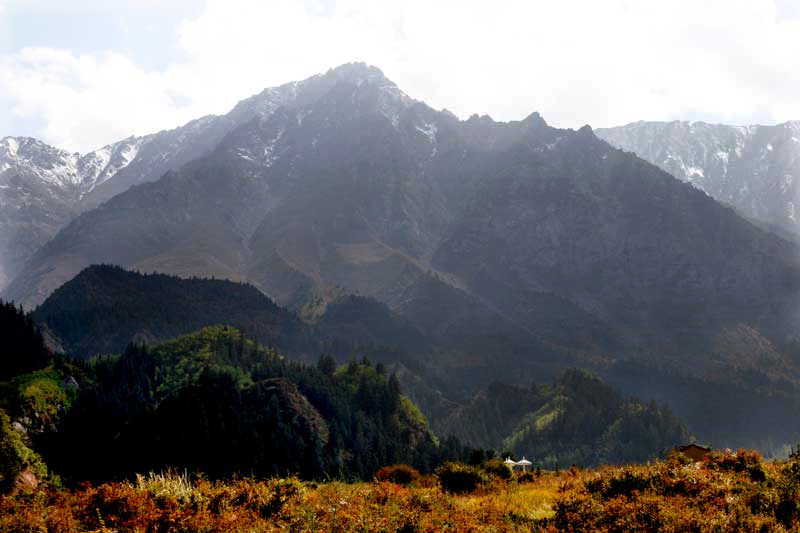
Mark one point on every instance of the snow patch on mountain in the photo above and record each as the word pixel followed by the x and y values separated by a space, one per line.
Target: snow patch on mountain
pixel 269 149
pixel 64 172
pixel 755 169
pixel 429 130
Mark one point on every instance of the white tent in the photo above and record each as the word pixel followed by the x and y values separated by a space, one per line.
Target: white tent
pixel 524 463
pixel 511 463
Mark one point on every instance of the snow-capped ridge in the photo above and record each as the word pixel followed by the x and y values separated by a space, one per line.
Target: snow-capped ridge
pixel 754 168
pixel 69 172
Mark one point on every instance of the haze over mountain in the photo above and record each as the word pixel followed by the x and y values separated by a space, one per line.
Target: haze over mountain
pixel 520 248
pixel 104 308
pixel 755 169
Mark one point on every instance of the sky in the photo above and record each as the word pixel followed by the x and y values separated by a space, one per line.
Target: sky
pixel 80 74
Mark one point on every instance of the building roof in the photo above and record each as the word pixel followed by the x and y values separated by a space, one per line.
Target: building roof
pixel 691 446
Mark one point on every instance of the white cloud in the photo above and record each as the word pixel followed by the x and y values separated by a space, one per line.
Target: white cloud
pixel 575 61
pixel 85 101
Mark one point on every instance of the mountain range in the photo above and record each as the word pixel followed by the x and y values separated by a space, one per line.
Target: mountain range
pixel 518 249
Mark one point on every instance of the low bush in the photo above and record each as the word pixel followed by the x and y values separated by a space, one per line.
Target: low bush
pixel 400 474
pixel 741 461
pixel 497 468
pixel 459 478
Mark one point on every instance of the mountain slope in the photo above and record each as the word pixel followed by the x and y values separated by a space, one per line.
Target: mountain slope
pixel 567 214
pixel 755 169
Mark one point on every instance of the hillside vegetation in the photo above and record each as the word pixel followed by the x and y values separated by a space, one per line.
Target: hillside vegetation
pixel 576 420
pixel 105 307
pixel 726 492
pixel 217 402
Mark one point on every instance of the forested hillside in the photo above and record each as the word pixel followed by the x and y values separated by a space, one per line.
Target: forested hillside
pixel 217 402
pixel 22 348
pixel 213 401
pixel 576 420
pixel 105 307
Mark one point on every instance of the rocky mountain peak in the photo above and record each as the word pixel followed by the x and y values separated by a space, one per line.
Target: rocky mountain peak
pixel 26 148
pixel 352 87
pixel 535 120
pixel 31 156
pixel 358 72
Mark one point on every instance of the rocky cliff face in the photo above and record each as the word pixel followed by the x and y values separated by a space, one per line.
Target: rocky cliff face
pixel 755 169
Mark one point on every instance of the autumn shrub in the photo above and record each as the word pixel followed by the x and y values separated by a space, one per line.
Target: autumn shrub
pixel 668 496
pixel 738 461
pixel 116 505
pixel 459 478
pixel 621 482
pixel 497 468
pixel 575 512
pixel 264 498
pixel 741 461
pixel 527 476
pixel 400 474
pixel 787 508
pixel 427 481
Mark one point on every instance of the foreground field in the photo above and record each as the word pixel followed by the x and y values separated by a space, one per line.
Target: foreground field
pixel 727 492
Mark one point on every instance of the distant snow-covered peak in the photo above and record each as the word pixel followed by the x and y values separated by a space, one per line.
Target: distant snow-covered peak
pixel 100 165
pixel 39 160
pixel 64 170
pixel 754 168
pixel 9 147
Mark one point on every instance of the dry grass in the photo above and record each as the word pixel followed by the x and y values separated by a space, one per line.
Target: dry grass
pixel 728 492
pixel 173 485
pixel 170 502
